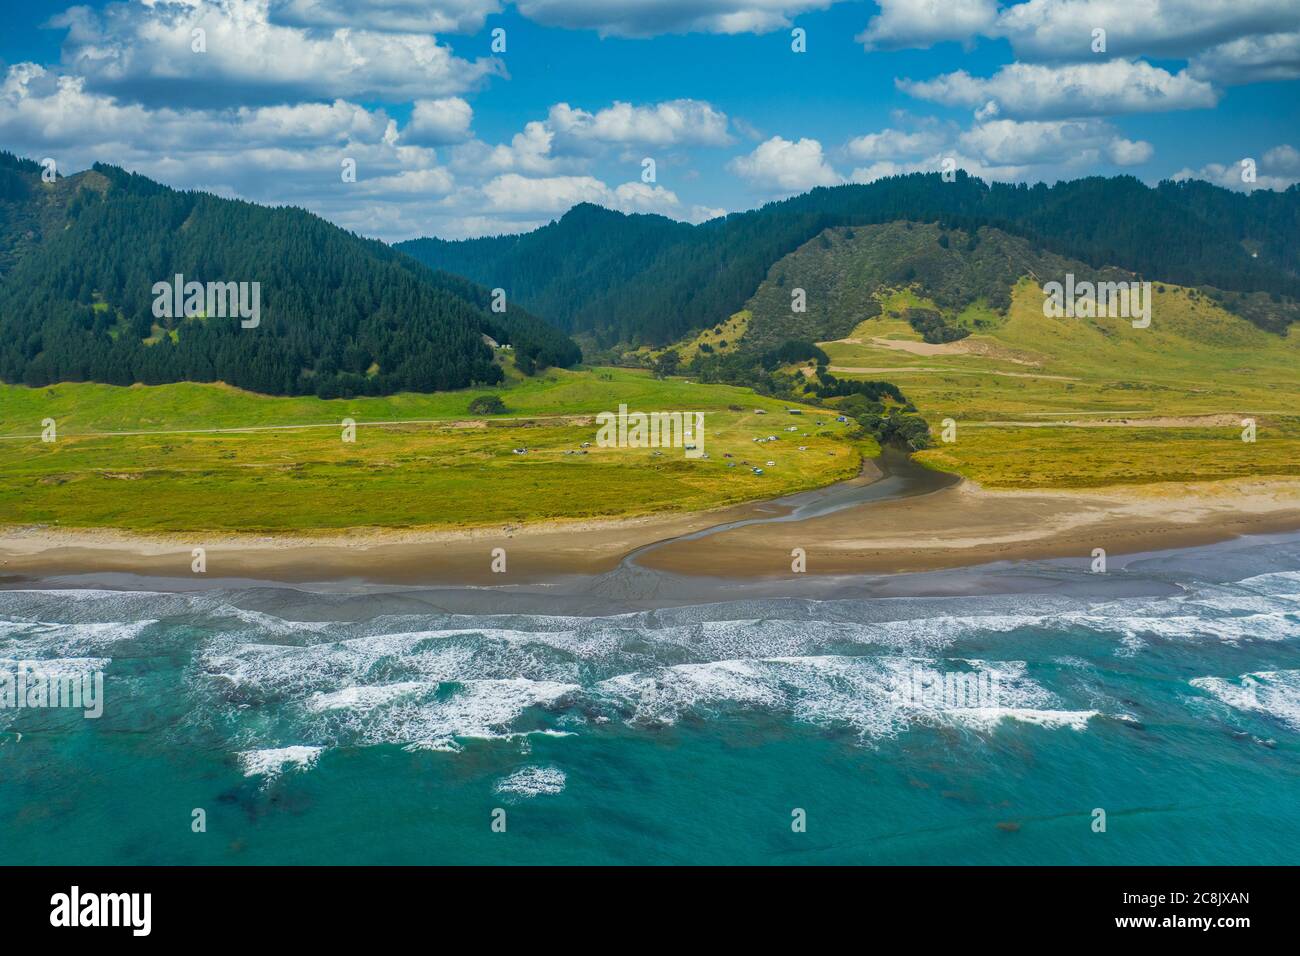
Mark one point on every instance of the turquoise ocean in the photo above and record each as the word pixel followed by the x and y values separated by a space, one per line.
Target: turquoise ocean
pixel 607 722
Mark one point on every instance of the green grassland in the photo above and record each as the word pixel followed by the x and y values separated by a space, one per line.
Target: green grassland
pixel 452 470
pixel 1023 369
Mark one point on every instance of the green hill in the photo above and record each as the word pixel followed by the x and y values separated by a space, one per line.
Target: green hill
pixel 967 276
pixel 339 315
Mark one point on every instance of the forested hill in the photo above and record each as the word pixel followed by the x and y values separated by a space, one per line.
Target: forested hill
pixel 339 314
pixel 645 279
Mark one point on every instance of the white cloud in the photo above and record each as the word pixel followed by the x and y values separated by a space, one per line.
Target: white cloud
pixel 671 123
pixel 1041 142
pixel 569 139
pixel 644 18
pixel 1057 29
pixel 1279 168
pixel 996 149
pixel 1081 89
pixel 401 16
pixel 529 151
pixel 782 166
pixel 1284 160
pixel 41 109
pixel 894 144
pixel 936 164
pixel 642 197
pixel 1129 152
pixel 1257 59
pixel 923 23
pixel 512 193
pixel 418 183
pixel 1062 30
pixel 700 214
pixel 145 51
pixel 437 122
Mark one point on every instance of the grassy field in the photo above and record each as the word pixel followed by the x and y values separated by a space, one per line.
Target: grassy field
pixel 1004 384
pixel 452 470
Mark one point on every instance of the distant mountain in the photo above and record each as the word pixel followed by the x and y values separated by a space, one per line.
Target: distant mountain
pixel 338 314
pixel 646 280
pixel 584 271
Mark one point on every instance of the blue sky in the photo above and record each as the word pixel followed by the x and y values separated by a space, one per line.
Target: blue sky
pixel 450 138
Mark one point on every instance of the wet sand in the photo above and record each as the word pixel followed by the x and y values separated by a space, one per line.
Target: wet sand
pixel 903 518
pixel 964 525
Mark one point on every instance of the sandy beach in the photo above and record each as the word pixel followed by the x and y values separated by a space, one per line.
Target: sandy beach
pixel 956 526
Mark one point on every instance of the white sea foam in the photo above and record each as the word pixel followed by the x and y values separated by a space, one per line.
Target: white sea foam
pixel 533 781
pixel 362 699
pixel 862 693
pixel 273 761
pixel 429 715
pixel 1273 693
pixel 988 718
pixel 57 666
pixel 41 638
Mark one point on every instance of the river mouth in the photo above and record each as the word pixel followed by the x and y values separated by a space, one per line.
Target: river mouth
pixel 900 477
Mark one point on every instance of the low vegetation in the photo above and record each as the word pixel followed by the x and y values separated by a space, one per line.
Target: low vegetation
pixel 448 468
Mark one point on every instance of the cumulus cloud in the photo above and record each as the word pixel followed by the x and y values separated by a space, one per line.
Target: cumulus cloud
pixel 1278 168
pixel 938 164
pixel 923 23
pixel 893 144
pixel 1057 29
pixel 1052 141
pixel 1284 160
pixel 569 138
pixel 1257 59
pixel 996 149
pixel 782 166
pixel 438 122
pixel 645 18
pixel 150 53
pixel 1035 91
pixel 1062 30
pixel 401 16
pixel 529 151
pixel 700 214
pixel 43 109
pixel 513 193
pixel 671 123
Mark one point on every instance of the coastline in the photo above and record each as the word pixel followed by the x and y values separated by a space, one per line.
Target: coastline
pixel 956 526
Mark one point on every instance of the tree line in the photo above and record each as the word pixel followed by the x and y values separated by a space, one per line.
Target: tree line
pixel 340 315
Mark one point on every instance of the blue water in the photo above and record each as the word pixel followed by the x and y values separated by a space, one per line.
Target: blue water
pixel 374 727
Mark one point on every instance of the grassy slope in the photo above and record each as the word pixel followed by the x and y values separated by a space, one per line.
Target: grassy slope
pixel 305 480
pixel 1195 359
pixel 730 331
